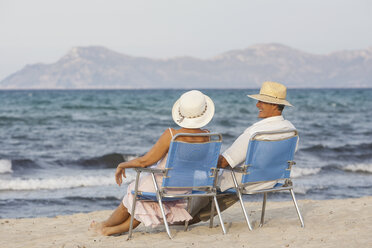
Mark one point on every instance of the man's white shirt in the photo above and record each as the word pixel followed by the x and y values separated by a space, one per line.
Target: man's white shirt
pixel 235 155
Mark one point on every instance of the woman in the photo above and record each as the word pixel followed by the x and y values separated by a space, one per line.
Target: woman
pixel 191 112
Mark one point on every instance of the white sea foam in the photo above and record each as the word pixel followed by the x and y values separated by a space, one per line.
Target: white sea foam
pixel 300 189
pixel 299 172
pixel 358 168
pixel 64 182
pixel 5 166
pixel 129 157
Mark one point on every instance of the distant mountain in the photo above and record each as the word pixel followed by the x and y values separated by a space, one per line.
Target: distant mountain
pixel 99 67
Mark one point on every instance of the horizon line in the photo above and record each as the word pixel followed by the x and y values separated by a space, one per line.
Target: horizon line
pixel 123 89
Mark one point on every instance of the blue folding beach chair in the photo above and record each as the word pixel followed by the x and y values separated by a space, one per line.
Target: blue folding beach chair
pixel 267 160
pixel 191 166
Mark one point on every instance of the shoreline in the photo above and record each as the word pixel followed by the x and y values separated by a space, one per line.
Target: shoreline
pixel 328 223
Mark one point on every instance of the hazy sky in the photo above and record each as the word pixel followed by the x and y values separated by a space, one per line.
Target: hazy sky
pixel 33 31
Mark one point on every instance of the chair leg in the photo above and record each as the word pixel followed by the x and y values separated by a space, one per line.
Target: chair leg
pixel 158 196
pixel 212 213
pixel 131 221
pixel 297 209
pixel 164 217
pixel 219 214
pixel 133 206
pixel 188 210
pixel 241 200
pixel 263 209
pixel 244 211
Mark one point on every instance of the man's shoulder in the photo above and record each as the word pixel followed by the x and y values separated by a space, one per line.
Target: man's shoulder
pixel 271 124
pixel 288 124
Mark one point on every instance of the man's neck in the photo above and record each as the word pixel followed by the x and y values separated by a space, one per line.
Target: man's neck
pixel 276 113
pixel 273 115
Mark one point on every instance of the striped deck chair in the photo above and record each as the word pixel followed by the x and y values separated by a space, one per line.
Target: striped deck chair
pixel 267 160
pixel 191 166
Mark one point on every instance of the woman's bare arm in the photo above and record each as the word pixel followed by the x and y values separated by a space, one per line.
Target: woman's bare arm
pixel 157 152
pixel 222 162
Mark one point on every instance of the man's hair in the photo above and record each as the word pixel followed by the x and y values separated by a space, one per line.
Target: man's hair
pixel 281 107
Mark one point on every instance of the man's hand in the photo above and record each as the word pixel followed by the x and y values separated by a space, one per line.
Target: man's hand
pixel 222 162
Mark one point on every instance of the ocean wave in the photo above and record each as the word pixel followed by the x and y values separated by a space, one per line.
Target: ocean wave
pixel 300 189
pixel 88 107
pixel 91 199
pixel 10 118
pixel 348 152
pixel 339 149
pixel 300 172
pixel 226 123
pixel 106 161
pixel 21 164
pixel 5 166
pixel 303 189
pixel 65 182
pixel 228 136
pixel 364 168
pixel 57 201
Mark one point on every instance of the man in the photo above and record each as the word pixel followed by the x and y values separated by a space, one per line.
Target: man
pixel 271 102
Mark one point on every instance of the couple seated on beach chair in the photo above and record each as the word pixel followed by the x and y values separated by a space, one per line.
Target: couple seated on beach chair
pixel 187 161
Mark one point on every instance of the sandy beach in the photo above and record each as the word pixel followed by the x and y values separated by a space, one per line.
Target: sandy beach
pixel 328 223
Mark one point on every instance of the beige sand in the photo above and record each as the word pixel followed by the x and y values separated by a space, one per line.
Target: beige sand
pixel 331 223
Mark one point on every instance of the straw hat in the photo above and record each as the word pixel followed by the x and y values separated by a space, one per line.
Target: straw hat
pixel 272 92
pixel 193 110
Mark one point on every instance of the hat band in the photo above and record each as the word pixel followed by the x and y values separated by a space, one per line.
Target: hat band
pixel 273 96
pixel 182 117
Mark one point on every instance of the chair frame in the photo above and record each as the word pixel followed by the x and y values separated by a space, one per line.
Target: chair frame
pixel 210 191
pixel 288 185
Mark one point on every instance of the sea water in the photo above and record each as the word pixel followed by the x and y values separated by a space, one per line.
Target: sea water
pixel 59 148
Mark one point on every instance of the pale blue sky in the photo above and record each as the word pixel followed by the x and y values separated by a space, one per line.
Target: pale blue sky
pixel 44 30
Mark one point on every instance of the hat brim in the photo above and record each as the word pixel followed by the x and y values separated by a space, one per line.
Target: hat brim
pixel 194 122
pixel 269 99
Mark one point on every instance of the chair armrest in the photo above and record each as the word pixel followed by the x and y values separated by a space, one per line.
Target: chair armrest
pixel 151 170
pixel 240 169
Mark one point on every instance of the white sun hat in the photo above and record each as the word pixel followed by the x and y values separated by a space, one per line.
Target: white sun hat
pixel 272 92
pixel 193 110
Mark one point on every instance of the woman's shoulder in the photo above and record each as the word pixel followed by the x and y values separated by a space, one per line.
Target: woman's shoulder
pixel 171 131
pixel 186 130
pixel 174 131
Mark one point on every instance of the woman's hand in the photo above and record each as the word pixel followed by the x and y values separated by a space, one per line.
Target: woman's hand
pixel 118 175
